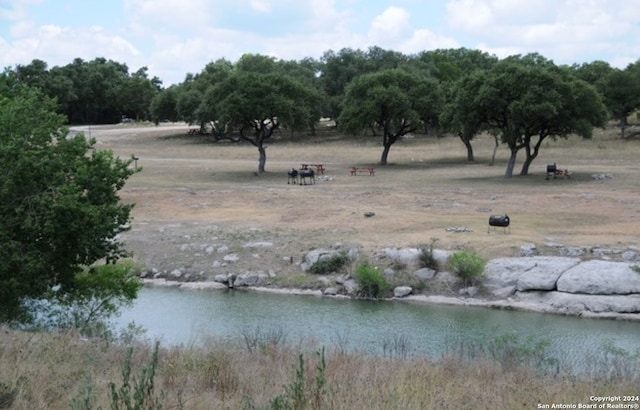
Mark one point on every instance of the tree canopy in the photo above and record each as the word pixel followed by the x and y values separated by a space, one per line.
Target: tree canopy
pixel 257 104
pixel 525 100
pixel 394 100
pixel 59 201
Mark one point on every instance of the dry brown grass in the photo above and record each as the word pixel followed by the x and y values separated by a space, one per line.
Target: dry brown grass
pixel 427 187
pixel 51 371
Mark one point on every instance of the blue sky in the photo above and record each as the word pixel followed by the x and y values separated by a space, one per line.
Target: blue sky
pixel 176 37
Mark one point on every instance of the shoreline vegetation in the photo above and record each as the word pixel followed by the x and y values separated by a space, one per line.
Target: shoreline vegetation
pixel 436 299
pixel 261 370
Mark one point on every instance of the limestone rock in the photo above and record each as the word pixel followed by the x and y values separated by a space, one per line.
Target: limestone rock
pixel 350 286
pixel 258 245
pixel 318 255
pixel 572 252
pixel 331 291
pixel 442 256
pixel 528 249
pixel 424 273
pixel 407 256
pixel 388 272
pixel 250 279
pixel 574 304
pixel 402 291
pixel 232 257
pixel 531 273
pixel 221 279
pixel 600 277
pixel 630 255
pixel 471 291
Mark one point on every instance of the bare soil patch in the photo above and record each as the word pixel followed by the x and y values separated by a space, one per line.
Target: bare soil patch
pixel 195 196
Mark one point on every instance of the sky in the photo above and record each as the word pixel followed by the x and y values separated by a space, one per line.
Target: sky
pixel 175 37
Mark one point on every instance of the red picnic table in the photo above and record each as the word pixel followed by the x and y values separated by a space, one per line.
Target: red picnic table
pixel 319 167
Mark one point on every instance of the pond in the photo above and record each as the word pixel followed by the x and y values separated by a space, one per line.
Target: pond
pixel 176 316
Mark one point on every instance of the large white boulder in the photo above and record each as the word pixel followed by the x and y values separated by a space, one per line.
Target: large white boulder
pixel 530 273
pixel 578 304
pixel 402 291
pixel 598 277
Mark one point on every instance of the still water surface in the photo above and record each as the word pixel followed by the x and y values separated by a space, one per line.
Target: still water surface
pixel 176 316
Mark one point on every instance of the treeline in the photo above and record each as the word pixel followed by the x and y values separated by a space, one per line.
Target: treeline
pixel 91 92
pixel 103 91
pixel 520 99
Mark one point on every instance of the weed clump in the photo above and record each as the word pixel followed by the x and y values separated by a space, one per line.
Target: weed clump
pixel 329 265
pixel 426 258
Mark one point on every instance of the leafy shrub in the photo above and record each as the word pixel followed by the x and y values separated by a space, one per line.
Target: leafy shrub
pixel 329 265
pixel 426 257
pixel 371 282
pixel 467 266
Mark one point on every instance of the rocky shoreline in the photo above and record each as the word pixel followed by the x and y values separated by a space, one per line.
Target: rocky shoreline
pixel 567 285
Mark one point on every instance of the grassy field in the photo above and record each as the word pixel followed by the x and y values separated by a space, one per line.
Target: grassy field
pixel 428 186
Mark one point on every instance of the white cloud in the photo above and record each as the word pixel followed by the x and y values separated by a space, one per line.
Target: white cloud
pixel 58 45
pixel 323 14
pixel 394 22
pixel 393 29
pixel 261 6
pixel 159 14
pixel 469 15
pixel 564 30
pixel 423 39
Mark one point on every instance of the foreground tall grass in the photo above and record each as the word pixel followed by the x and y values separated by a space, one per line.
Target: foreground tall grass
pixel 63 371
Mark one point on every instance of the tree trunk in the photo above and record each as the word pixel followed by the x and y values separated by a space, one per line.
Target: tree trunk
pixel 467 144
pixel 525 166
pixel 495 150
pixel 531 155
pixel 385 154
pixel 512 162
pixel 263 158
pixel 623 125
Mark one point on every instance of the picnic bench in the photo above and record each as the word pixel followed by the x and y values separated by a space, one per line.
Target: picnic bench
pixel 319 168
pixel 193 131
pixel 370 170
pixel 554 172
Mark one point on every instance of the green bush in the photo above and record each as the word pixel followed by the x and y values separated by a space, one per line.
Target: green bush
pixel 371 282
pixel 467 266
pixel 332 264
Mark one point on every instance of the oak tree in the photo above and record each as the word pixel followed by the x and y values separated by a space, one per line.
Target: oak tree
pixel 59 202
pixel 253 106
pixel 394 100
